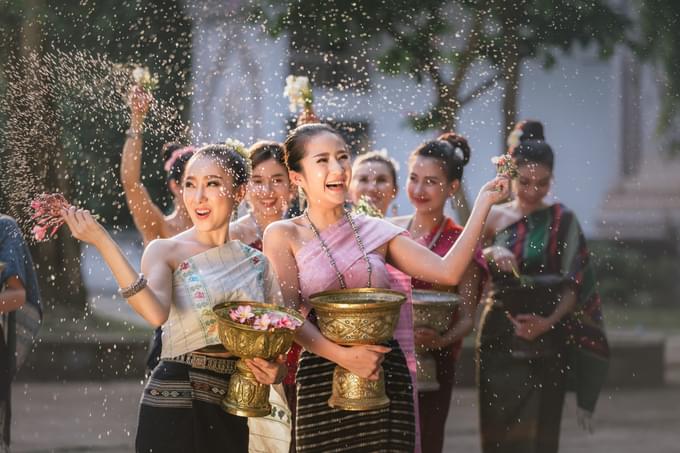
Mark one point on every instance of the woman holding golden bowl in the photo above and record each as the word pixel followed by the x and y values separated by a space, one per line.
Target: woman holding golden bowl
pixel 328 248
pixel 435 174
pixel 183 278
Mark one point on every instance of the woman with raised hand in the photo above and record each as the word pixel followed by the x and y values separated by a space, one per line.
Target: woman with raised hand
pixel 182 278
pixel 147 216
pixel 329 248
pixel 542 320
pixel 434 176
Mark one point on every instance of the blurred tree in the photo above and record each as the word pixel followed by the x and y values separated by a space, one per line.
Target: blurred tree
pixel 52 141
pixel 464 48
pixel 659 42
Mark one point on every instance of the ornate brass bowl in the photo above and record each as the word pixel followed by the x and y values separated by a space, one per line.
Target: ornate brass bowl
pixel 353 317
pixel 246 397
pixel 435 310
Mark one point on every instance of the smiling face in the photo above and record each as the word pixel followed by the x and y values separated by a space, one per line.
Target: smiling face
pixel 209 194
pixel 373 179
pixel 427 186
pixel 269 188
pixel 326 170
pixel 532 184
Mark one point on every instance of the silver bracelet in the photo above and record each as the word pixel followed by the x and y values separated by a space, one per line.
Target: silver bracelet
pixel 131 133
pixel 134 288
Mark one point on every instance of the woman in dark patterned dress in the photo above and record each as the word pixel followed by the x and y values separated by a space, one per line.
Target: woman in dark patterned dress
pixel 542 322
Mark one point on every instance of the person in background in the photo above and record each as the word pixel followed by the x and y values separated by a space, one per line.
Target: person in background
pixel 374 177
pixel 146 215
pixel 542 320
pixel 20 314
pixel 435 174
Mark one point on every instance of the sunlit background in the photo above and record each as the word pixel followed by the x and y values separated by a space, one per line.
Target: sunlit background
pixel 603 77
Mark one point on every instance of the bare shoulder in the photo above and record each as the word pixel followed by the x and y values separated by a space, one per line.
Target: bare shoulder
pixel 286 229
pixel 159 251
pixel 160 247
pixel 401 221
pixel 240 229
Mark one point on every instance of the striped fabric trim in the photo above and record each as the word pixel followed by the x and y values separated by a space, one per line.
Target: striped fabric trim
pixel 321 428
pixel 169 394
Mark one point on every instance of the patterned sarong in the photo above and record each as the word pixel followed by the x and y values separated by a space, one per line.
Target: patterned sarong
pixel 321 428
pixel 180 412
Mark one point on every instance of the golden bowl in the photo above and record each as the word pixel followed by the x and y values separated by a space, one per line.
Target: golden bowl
pixel 246 341
pixel 354 317
pixel 435 310
pixel 246 397
pixel 359 315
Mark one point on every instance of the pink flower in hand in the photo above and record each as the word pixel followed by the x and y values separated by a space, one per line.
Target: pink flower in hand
pixel 263 322
pixel 39 232
pixel 242 313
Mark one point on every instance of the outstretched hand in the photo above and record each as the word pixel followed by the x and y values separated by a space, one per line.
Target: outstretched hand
pixel 83 225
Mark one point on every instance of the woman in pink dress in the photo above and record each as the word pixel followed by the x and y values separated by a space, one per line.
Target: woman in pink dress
pixel 328 248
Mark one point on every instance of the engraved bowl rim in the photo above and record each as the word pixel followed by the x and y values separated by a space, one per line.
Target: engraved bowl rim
pixel 231 323
pixel 397 299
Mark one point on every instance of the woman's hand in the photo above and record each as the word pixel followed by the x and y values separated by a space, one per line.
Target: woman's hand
pixel 494 191
pixel 503 258
pixel 83 226
pixel 530 326
pixel 364 360
pixel 139 101
pixel 267 372
pixel 427 338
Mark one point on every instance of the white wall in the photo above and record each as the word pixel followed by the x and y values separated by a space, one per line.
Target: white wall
pixel 239 78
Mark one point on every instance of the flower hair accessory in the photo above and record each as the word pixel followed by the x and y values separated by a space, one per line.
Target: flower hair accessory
pixel 514 139
pixel 237 146
pixel 176 154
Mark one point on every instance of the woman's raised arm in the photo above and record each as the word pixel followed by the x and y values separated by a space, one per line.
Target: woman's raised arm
pixel 418 261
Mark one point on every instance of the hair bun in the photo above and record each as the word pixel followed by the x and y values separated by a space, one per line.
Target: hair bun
pixel 532 130
pixel 458 142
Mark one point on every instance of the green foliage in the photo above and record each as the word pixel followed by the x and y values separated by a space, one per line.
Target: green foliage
pixel 659 42
pixel 154 33
pixel 634 275
pixel 440 40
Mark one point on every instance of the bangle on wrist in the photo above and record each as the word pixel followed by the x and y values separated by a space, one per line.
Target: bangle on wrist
pixel 133 133
pixel 134 288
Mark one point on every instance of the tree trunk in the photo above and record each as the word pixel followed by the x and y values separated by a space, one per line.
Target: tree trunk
pixel 511 77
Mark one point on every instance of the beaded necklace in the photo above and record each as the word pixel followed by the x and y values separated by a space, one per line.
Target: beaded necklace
pixel 324 247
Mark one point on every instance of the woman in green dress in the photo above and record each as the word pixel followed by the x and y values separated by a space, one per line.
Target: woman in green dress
pixel 542 321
